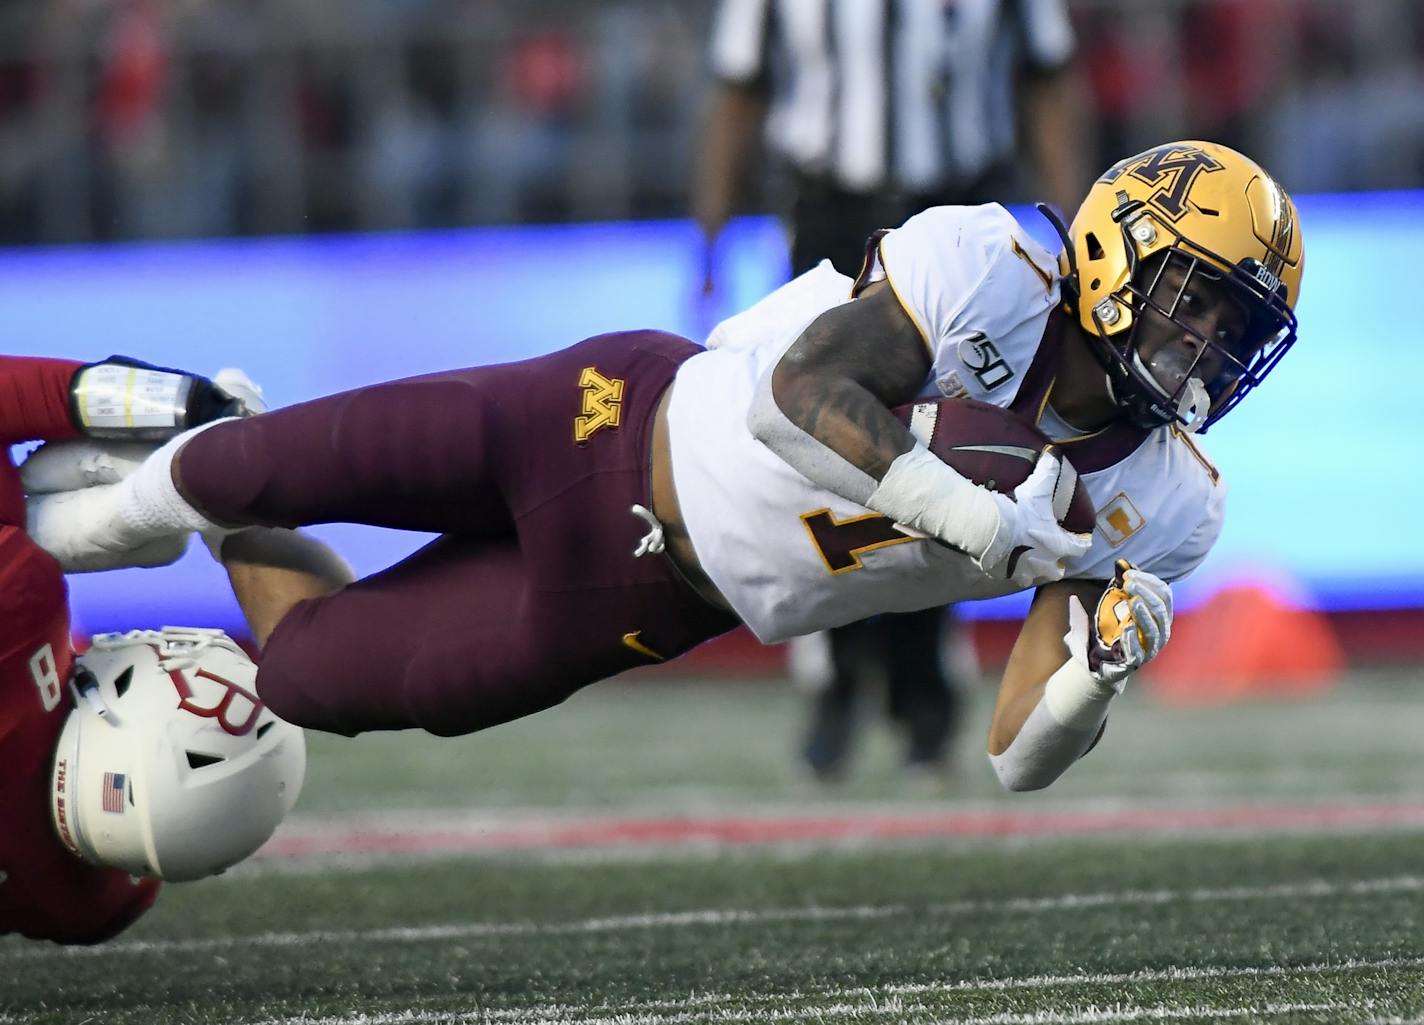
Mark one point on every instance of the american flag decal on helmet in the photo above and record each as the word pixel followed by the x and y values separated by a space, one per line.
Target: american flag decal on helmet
pixel 113 792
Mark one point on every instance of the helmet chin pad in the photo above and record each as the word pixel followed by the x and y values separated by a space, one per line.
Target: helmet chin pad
pixel 1183 392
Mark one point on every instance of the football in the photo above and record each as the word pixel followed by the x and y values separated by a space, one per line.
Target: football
pixel 996 449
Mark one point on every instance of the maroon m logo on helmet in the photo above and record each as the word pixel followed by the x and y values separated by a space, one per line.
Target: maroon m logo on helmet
pixel 1173 169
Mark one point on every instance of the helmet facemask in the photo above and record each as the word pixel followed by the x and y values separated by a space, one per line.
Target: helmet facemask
pixel 1190 333
pixel 1160 230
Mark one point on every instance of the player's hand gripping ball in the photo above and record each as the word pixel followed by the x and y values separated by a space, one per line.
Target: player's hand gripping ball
pixel 1046 515
pixel 998 450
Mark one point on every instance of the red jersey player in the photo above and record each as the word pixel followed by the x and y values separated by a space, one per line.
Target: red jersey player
pixel 60 829
pixel 45 891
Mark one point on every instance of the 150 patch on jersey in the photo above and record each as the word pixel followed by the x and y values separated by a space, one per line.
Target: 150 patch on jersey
pixel 982 358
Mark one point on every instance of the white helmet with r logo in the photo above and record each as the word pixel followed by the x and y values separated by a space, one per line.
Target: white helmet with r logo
pixel 169 765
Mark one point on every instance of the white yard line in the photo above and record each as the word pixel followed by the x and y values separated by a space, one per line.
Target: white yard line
pixel 1307 890
pixel 635 1015
pixel 1087 1016
pixel 886 1002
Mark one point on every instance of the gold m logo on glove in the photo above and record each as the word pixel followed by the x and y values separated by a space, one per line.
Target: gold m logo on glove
pixel 1114 613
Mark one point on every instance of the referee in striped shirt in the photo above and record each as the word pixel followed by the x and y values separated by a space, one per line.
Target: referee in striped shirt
pixel 878 109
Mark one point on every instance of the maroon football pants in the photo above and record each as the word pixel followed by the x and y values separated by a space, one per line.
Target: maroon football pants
pixel 528 471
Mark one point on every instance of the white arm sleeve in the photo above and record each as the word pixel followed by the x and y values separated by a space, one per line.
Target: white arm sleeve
pixel 813 460
pixel 1060 729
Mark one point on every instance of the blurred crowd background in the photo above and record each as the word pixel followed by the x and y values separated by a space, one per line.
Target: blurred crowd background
pixel 141 119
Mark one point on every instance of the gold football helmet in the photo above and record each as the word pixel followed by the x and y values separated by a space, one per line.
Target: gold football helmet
pixel 1161 239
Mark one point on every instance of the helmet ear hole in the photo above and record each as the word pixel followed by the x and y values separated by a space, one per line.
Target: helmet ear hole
pixel 123 681
pixel 199 760
pixel 1095 248
pixel 264 728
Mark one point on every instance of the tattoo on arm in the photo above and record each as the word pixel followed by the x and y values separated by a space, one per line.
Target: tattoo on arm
pixel 849 367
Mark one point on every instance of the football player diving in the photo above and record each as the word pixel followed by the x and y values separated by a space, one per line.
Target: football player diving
pixel 620 501
pixel 149 756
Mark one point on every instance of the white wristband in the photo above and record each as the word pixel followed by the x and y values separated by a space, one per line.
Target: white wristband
pixel 924 492
pixel 1075 698
pixel 1059 730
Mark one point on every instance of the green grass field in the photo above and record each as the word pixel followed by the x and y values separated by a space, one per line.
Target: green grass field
pixel 1297 920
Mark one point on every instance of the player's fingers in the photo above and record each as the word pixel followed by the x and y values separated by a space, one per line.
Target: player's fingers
pixel 1146 584
pixel 1077 636
pixel 1044 475
pixel 1155 602
pixel 1132 654
pixel 1150 630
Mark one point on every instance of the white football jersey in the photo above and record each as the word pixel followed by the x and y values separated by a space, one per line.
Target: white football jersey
pixel 793 558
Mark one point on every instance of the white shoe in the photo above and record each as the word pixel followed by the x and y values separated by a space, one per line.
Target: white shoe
pixel 85 532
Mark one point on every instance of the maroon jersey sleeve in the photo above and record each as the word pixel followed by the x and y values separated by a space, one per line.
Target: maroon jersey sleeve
pixel 45 891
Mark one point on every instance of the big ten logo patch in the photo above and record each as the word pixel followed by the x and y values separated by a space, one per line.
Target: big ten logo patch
pixel 951 385
pixel 1119 519
pixel 602 404
pixel 982 358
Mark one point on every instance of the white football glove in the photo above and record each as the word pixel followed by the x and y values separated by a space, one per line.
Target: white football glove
pixel 81 463
pixel 1030 547
pixel 1132 625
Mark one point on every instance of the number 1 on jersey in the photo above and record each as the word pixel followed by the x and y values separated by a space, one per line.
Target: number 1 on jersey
pixel 841 543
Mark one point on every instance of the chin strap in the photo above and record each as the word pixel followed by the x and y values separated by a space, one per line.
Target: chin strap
pixel 1069 284
pixel 1194 405
pixel 85 688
